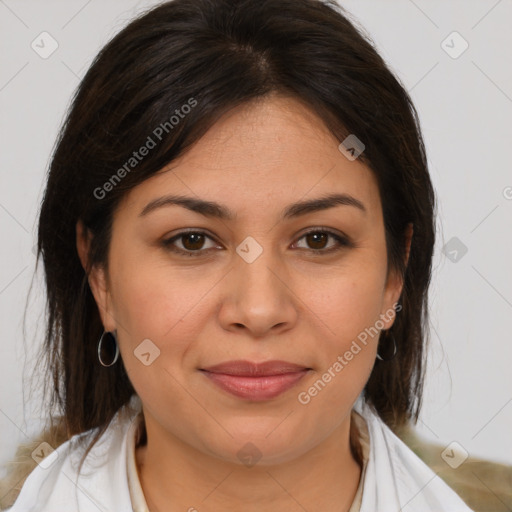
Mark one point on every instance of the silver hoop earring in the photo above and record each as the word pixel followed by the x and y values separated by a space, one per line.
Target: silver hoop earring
pixel 394 350
pixel 100 346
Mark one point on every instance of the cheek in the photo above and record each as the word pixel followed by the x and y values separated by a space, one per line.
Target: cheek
pixel 166 311
pixel 152 299
pixel 346 354
pixel 347 303
pixel 169 308
pixel 347 307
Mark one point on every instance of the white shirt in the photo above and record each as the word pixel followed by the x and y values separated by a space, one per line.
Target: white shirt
pixel 393 479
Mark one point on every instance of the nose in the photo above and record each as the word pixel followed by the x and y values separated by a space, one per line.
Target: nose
pixel 259 297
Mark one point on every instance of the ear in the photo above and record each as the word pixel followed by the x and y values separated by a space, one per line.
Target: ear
pixel 97 277
pixel 395 284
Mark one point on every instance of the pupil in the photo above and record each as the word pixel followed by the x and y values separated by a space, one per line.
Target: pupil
pixel 317 236
pixel 195 240
pixel 197 244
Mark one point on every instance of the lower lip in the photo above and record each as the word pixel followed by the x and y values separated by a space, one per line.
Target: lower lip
pixel 256 388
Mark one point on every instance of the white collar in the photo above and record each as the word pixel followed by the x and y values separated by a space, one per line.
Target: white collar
pixel 395 480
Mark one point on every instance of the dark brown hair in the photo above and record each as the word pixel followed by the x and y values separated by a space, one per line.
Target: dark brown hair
pixel 221 54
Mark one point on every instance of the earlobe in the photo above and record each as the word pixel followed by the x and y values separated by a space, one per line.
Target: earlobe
pixel 392 295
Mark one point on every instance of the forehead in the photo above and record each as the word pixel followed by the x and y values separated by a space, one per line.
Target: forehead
pixel 273 151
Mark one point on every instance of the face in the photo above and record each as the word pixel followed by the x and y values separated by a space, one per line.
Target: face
pixel 264 282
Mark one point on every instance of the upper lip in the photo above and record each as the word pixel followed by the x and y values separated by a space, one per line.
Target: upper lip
pixel 253 369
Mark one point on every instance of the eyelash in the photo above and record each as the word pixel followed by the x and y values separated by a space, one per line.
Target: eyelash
pixel 343 242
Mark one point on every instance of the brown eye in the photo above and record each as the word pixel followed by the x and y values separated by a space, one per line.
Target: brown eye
pixel 190 243
pixel 317 241
pixel 193 241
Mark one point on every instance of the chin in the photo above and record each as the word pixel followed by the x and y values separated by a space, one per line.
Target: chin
pixel 250 448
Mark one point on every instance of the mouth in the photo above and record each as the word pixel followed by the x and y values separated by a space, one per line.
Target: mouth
pixel 255 381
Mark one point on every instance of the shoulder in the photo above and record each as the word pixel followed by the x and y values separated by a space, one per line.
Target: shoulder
pixel 396 477
pixel 481 483
pixel 25 461
pixel 57 482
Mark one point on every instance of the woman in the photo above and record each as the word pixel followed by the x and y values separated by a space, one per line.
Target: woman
pixel 237 234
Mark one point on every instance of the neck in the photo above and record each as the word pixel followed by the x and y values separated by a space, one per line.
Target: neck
pixel 176 477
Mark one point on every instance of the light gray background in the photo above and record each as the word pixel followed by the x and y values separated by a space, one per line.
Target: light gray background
pixel 465 105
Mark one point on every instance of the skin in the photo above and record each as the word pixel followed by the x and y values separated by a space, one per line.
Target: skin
pixel 288 304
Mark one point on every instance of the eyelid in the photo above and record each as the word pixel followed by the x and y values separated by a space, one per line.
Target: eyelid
pixel 325 229
pixel 168 242
pixel 342 240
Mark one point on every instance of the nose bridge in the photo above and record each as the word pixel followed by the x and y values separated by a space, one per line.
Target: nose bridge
pixel 261 299
pixel 257 267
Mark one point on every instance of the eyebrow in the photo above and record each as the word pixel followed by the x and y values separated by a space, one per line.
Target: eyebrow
pixel 216 210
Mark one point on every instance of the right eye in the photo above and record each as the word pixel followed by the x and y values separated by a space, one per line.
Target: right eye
pixel 192 243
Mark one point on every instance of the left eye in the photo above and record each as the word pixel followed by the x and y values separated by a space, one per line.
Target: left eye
pixel 192 242
pixel 318 238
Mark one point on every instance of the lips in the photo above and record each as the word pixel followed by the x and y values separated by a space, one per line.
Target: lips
pixel 255 381
pixel 250 369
